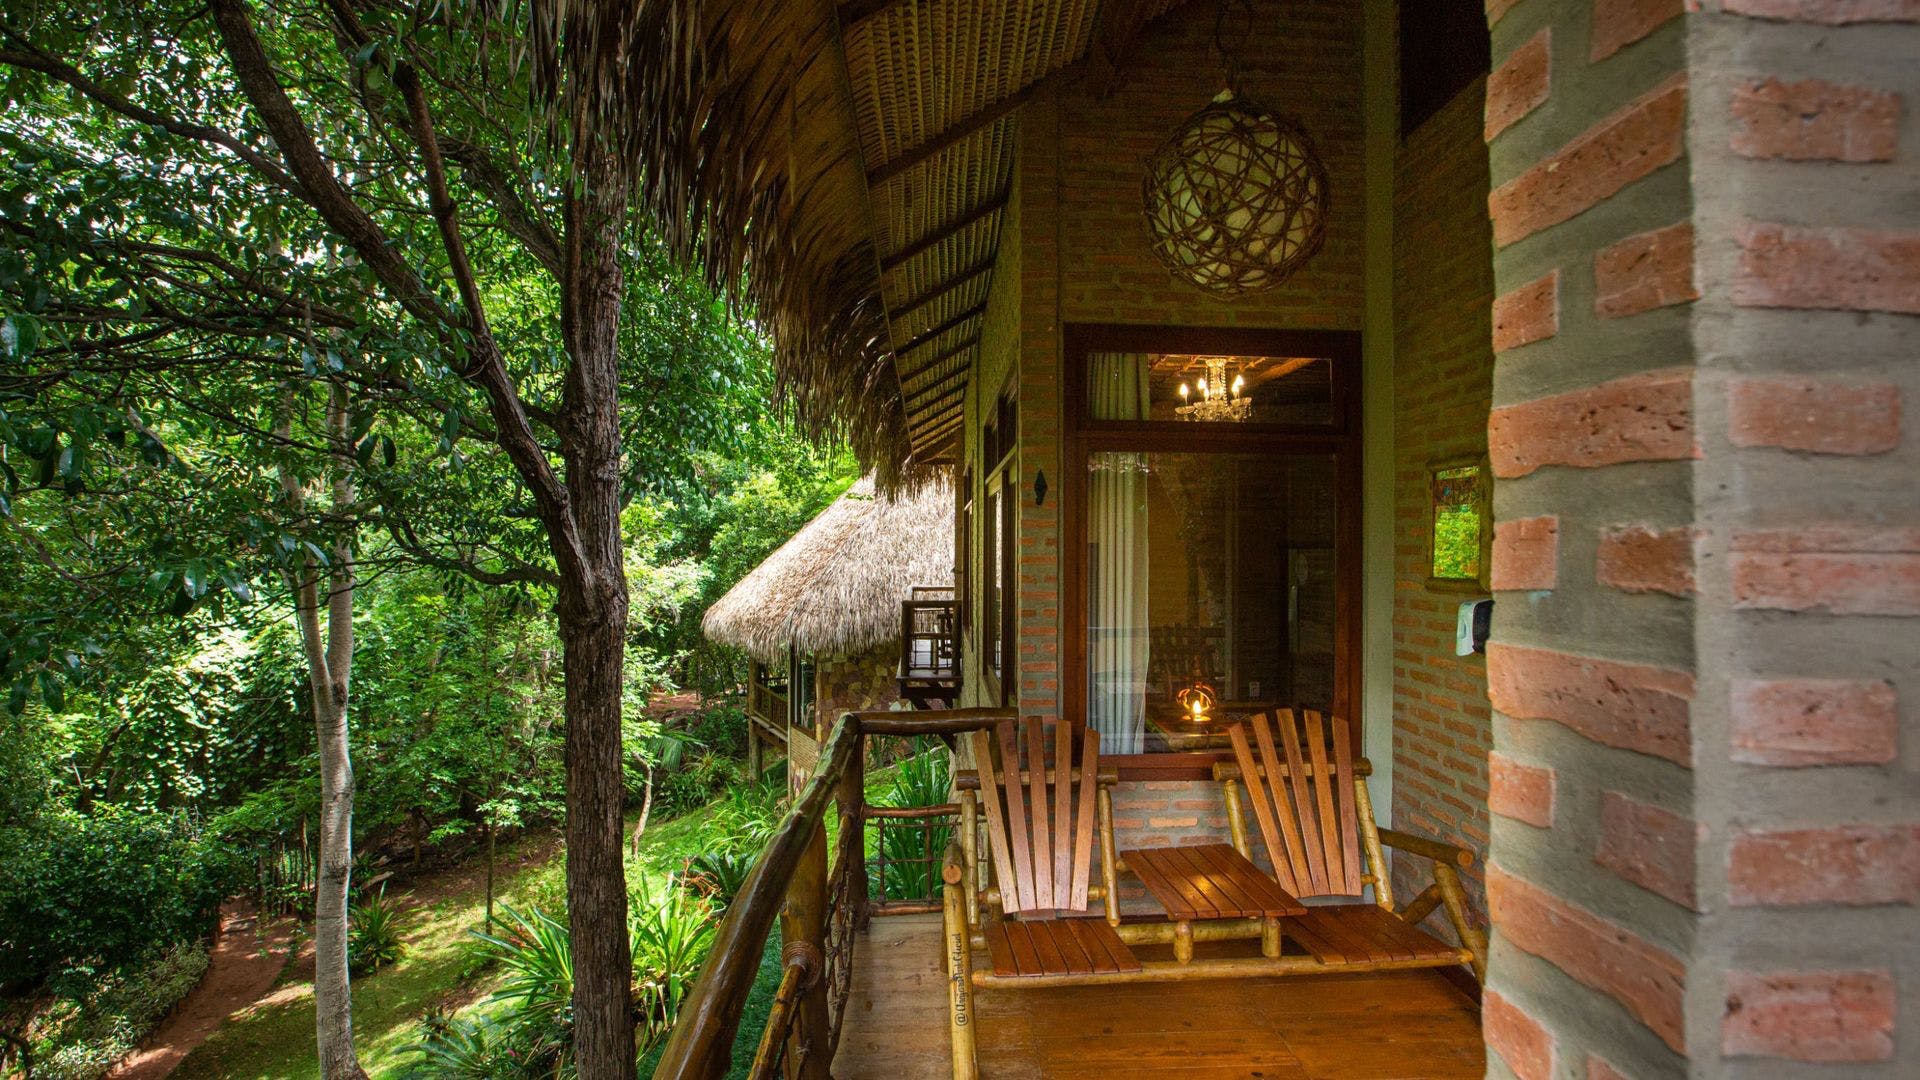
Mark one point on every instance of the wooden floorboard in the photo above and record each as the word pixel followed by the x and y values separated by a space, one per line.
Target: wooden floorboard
pixel 1369 1027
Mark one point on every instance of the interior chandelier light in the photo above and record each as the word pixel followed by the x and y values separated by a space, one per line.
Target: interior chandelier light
pixel 1236 198
pixel 1220 398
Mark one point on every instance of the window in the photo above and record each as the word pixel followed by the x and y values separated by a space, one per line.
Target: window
pixel 1216 531
pixel 999 520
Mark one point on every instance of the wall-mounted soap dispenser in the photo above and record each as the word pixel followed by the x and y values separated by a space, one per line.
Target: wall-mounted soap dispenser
pixel 1471 627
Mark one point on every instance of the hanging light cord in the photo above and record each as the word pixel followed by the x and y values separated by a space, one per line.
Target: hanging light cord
pixel 1229 56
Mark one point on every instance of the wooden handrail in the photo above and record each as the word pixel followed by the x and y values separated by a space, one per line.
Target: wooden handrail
pixel 701 1043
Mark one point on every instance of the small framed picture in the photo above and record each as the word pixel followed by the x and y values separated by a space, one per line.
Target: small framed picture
pixel 1459 498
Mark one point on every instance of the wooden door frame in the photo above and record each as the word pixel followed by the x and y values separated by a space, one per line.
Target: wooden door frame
pixel 1083 435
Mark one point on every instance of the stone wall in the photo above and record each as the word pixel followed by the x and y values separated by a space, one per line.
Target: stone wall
pixel 1706 847
pixel 857 683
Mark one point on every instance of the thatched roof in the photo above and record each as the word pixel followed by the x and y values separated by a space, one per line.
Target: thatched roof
pixel 837 585
pixel 854 158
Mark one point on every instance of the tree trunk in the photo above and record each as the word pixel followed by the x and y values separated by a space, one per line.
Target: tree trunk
pixel 593 632
pixel 329 666
pixel 646 809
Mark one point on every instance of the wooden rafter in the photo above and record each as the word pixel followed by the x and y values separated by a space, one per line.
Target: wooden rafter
pixel 945 355
pixel 933 333
pixel 939 430
pixel 919 397
pixel 945 232
pixel 939 403
pixel 986 116
pixel 915 303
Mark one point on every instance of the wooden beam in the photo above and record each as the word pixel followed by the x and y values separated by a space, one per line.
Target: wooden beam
pixel 938 401
pixel 921 392
pixel 986 116
pixel 916 303
pixel 933 333
pixel 940 430
pixel 946 232
pixel 947 354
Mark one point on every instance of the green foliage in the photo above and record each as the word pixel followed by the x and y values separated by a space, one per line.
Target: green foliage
pixel 84 895
pixel 88 1030
pixel 912 867
pixel 1456 543
pixel 719 875
pixel 746 817
pixel 672 934
pixel 374 934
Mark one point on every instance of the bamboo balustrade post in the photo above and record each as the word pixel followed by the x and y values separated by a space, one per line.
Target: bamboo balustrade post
pixel 803 926
pixel 852 797
pixel 959 956
pixel 969 838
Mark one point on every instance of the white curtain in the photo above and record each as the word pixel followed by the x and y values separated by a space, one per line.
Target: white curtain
pixel 1117 529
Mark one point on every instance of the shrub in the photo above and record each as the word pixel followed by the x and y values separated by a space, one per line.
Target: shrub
pixel 101 892
pixel 912 869
pixel 537 994
pixel 719 875
pixel 373 934
pixel 747 817
pixel 91 1029
pixel 672 934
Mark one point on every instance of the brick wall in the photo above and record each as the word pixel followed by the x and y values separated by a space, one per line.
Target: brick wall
pixel 1706 838
pixel 1443 376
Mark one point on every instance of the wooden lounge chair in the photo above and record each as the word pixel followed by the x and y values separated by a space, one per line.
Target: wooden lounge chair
pixel 1316 822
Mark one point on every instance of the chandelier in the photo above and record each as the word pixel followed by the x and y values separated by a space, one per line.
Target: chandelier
pixel 1220 398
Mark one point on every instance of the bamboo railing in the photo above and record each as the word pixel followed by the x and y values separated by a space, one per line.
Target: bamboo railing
pixel 821 905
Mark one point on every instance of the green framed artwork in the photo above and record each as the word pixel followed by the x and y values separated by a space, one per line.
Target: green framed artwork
pixel 1459 497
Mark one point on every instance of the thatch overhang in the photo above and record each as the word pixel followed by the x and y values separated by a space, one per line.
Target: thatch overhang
pixel 836 586
pixel 854 159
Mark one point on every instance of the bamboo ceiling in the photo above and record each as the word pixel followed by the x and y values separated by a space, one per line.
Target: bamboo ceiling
pixel 854 158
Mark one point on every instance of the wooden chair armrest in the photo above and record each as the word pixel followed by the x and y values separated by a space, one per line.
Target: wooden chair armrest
pixel 1432 849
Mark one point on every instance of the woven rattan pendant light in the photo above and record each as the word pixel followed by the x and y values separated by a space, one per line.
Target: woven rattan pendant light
pixel 1236 198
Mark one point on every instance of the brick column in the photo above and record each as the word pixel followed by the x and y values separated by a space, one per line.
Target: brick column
pixel 1706 842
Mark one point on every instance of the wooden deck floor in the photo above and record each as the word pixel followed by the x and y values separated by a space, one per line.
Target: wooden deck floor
pixel 1400 1024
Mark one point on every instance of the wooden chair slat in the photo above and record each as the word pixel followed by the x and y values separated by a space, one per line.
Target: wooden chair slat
pixel 999 951
pixel 1324 814
pixel 1303 804
pixel 1262 807
pixel 997 836
pixel 1025 960
pixel 1294 853
pixel 1083 828
pixel 1306 930
pixel 1361 938
pixel 1040 818
pixel 1073 954
pixel 1044 949
pixel 1021 888
pixel 1343 781
pixel 1063 817
pixel 1103 946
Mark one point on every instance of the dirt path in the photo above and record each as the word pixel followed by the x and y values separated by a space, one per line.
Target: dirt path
pixel 246 959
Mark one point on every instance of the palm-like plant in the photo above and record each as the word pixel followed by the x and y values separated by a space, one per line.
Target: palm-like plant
pixel 912 848
pixel 672 933
pixel 719 875
pixel 373 934
pixel 537 953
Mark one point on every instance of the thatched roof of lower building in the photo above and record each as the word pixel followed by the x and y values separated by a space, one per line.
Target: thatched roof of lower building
pixel 837 585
